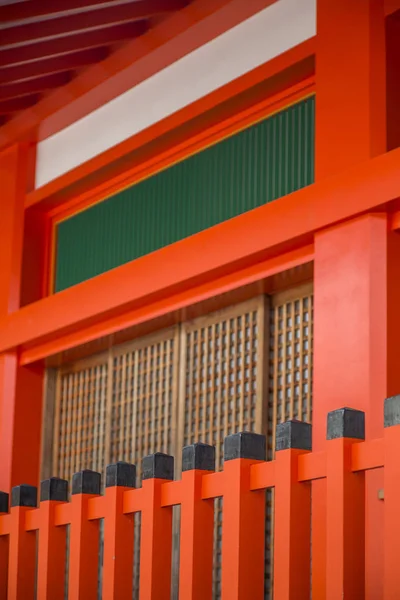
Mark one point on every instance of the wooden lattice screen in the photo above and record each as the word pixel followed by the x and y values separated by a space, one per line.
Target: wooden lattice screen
pixel 223 385
pixel 247 367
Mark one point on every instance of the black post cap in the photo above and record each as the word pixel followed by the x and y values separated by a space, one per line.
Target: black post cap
pixel 346 423
pixel 293 434
pixel 198 456
pixel 392 411
pixel 86 482
pixel 121 474
pixel 245 445
pixel 54 489
pixel 24 495
pixel 4 501
pixel 158 466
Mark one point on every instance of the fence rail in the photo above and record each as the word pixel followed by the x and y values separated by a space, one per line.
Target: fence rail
pixel 30 571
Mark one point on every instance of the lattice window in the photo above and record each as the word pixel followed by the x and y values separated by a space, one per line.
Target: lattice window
pixel 290 380
pixel 81 418
pixel 223 386
pixel 144 399
pixel 290 361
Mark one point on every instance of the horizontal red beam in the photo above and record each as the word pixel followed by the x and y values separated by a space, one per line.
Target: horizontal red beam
pixel 17 104
pixel 201 259
pixel 134 11
pixel 70 44
pixel 52 65
pixel 32 86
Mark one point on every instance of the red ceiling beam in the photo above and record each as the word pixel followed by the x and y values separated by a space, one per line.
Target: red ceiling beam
pixel 29 10
pixel 58 64
pixel 141 9
pixel 73 43
pixel 11 106
pixel 33 86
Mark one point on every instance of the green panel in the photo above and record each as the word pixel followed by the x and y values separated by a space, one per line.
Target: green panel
pixel 257 165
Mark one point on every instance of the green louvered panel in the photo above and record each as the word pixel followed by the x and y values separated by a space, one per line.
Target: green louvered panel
pixel 260 164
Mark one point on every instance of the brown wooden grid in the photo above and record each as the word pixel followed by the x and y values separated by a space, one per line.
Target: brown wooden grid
pixel 290 379
pixel 222 372
pixel 247 367
pixel 81 400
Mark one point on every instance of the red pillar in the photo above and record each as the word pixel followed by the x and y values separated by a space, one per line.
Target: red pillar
pixel 20 388
pixel 351 260
pixel 357 275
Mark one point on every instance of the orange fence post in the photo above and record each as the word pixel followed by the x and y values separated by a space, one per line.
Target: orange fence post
pixel 84 538
pixel 345 551
pixel 243 520
pixel 118 534
pixel 22 556
pixel 4 546
pixel 52 541
pixel 391 574
pixel 197 525
pixel 292 520
pixel 156 529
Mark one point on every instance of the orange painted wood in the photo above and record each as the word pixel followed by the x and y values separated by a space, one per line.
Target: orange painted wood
pixel 351 101
pixel 51 554
pixel 292 529
pixel 234 280
pixel 118 547
pixel 262 475
pixel 22 557
pixel 345 549
pixel 243 534
pixel 285 78
pixel 227 124
pixel 312 466
pixel 155 544
pixel 196 539
pixel 83 559
pixel 391 571
pixel 4 550
pixel 368 455
pixel 15 177
pixel 291 218
pixel 355 291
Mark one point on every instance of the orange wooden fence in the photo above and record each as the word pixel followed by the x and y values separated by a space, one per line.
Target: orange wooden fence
pixel 27 569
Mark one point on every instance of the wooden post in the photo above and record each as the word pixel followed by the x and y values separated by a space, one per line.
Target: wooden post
pixel 197 525
pixel 84 538
pixel 22 557
pixel 156 529
pixel 4 549
pixel 243 519
pixel 118 534
pixel 345 518
pixel 350 266
pixel 391 572
pixel 292 523
pixel 52 541
pixel 20 387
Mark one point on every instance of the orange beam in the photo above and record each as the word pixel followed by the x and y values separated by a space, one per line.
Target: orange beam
pixel 287 221
pixel 175 302
pixel 180 34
